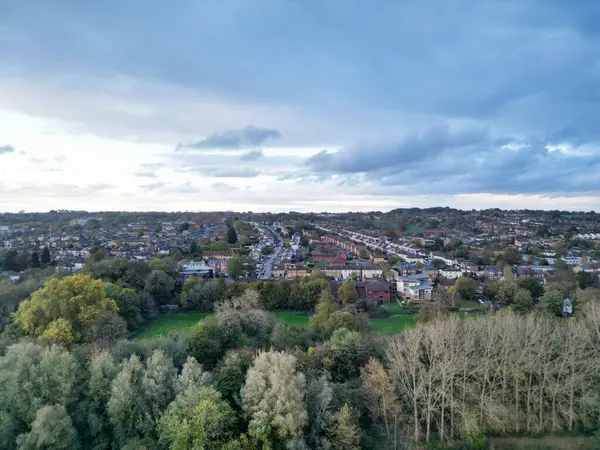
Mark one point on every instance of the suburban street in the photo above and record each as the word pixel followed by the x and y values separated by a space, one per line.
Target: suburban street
pixel 272 258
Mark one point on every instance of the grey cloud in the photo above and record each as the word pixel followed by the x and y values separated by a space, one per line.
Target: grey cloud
pixel 153 186
pixel 252 155
pixel 4 149
pixel 61 158
pixel 225 172
pixel 250 136
pixel 223 187
pixel 458 162
pixel 145 174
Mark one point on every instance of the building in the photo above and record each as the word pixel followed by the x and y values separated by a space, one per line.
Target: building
pixel 415 287
pixel 376 291
pixel 219 266
pixel 195 269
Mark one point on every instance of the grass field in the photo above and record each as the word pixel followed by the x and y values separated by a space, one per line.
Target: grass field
pixel 171 322
pixel 397 323
pixel 413 228
pixel 293 319
pixel 392 325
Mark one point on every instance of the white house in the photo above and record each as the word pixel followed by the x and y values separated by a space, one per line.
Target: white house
pixel 415 287
pixel 451 274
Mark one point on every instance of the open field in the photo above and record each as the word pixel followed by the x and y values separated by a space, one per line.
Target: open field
pixel 183 320
pixel 171 322
pixel 293 319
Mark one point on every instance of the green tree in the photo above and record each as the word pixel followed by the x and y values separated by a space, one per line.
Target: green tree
pixel 507 290
pixel 198 418
pixel 231 374
pixel 32 376
pixel 512 256
pixel 273 399
pixel 61 309
pixel 466 288
pixel 51 429
pixel 35 259
pixel 46 256
pixel 160 287
pixel 192 375
pixel 128 302
pixel 534 286
pixel 319 407
pixel 231 236
pixel 553 300
pixel 346 433
pixel 523 301
pixel 324 309
pixel 204 340
pixel 347 292
pixel 103 371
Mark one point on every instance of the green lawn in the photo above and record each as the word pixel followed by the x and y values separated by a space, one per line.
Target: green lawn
pixel 293 319
pixel 183 320
pixel 392 325
pixel 413 228
pixel 171 322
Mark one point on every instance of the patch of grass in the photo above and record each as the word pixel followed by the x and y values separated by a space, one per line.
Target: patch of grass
pixel 413 228
pixel 393 325
pixel 163 325
pixel 293 319
pixel 394 308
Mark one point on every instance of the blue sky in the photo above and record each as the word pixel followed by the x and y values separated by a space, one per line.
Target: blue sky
pixel 303 105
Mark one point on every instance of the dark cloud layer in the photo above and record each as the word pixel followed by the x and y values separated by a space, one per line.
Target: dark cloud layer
pixel 465 161
pixel 510 81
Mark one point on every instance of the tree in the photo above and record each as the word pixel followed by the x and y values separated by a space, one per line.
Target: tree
pixel 512 256
pixel 438 263
pixel 534 286
pixel 139 395
pixel 103 371
pixel 198 418
pixel 507 273
pixel 319 407
pixel 204 340
pixel 46 256
pixel 346 434
pixel 231 236
pixel 61 309
pixel 232 374
pixel 104 330
pixel 347 292
pixel 523 301
pixel 239 266
pixel 192 376
pixel 382 402
pixel 52 428
pixel 553 300
pixel 160 287
pixel 128 302
pixel 35 259
pixel 273 398
pixel 466 288
pixel 507 290
pixel 30 377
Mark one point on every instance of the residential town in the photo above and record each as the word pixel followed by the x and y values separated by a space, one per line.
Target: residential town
pixel 404 255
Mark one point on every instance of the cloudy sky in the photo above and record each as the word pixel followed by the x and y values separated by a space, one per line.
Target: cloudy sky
pixel 322 105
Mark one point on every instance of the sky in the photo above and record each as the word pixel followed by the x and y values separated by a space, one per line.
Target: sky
pixel 304 105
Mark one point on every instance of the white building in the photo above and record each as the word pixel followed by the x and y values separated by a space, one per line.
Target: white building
pixel 415 287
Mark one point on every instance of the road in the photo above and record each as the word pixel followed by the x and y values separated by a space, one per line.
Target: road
pixel 272 258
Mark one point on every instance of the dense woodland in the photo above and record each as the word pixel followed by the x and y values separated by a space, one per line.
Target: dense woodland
pixel 73 375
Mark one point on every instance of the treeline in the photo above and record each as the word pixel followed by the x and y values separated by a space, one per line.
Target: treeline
pixel 241 380
pixel 500 374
